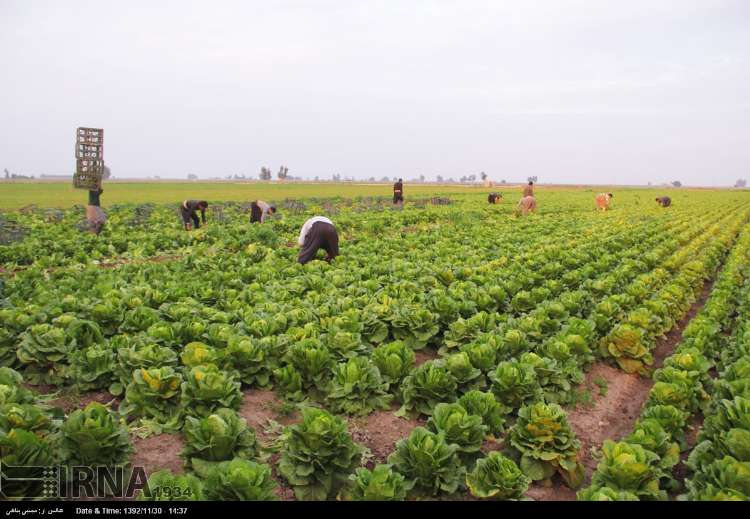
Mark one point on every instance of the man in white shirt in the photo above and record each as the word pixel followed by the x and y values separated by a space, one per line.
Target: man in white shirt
pixel 259 211
pixel 318 233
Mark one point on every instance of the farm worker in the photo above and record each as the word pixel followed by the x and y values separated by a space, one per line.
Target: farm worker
pixel 602 201
pixel 526 205
pixel 664 201
pixel 259 211
pixel 94 213
pixel 398 192
pixel 188 211
pixel 528 189
pixel 495 198
pixel 318 233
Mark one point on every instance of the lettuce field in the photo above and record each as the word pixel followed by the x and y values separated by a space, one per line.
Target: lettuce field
pixel 452 351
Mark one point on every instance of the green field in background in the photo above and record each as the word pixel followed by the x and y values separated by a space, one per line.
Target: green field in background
pixel 14 195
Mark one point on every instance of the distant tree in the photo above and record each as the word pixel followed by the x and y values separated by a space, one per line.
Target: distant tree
pixel 677 183
pixel 7 174
pixel 265 173
pixel 106 172
pixel 451 181
pixel 532 179
pixel 283 173
pixel 472 178
pixel 741 182
pixel 483 176
pixel 649 183
pixel 193 176
pixel 372 179
pixel 463 179
pixel 336 177
pixel 317 179
pixel 385 179
pixel 503 181
pixel 440 179
pixel 421 178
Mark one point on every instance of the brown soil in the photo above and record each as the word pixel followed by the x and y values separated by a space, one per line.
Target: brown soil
pixel 691 437
pixel 424 355
pixel 380 431
pixel 160 451
pixel 612 416
pixel 259 407
pixel 70 401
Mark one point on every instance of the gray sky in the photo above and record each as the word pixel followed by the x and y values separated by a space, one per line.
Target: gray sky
pixel 568 90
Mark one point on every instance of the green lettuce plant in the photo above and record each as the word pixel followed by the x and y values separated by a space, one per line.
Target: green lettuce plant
pixel 394 361
pixel 240 480
pixel 547 444
pixel 220 436
pixel 206 388
pixel 357 389
pixel 428 463
pixel 627 467
pixel 95 436
pixel 425 387
pixel 381 483
pixel 318 455
pixel 487 408
pixel 497 477
pixel 458 426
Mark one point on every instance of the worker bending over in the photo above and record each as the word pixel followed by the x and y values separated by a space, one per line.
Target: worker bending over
pixel 318 233
pixel 495 198
pixel 259 211
pixel 664 201
pixel 603 201
pixel 94 213
pixel 398 192
pixel 528 189
pixel 526 205
pixel 188 211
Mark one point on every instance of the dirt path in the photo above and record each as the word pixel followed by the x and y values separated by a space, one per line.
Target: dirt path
pixel 160 451
pixel 613 415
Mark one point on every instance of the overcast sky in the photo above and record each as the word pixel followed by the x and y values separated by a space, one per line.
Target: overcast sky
pixel 568 90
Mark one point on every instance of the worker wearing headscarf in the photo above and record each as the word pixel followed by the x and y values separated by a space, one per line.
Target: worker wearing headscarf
pixel 603 201
pixel 188 211
pixel 318 233
pixel 526 205
pixel 260 210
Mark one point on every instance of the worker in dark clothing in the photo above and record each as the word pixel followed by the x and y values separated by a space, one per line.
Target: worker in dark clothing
pixel 495 198
pixel 188 210
pixel 259 211
pixel 528 190
pixel 94 213
pixel 664 201
pixel 318 233
pixel 398 192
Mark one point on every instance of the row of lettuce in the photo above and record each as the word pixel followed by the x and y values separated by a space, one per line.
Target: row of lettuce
pixel 511 341
pixel 641 466
pixel 223 460
pixel 332 360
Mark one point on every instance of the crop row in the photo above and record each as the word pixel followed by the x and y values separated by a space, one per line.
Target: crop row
pixel 640 466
